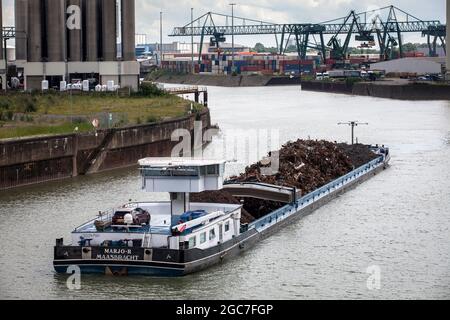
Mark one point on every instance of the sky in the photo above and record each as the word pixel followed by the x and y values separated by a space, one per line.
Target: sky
pixel 178 13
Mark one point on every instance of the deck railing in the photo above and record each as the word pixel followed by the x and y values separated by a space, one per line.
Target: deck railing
pixel 192 89
pixel 314 196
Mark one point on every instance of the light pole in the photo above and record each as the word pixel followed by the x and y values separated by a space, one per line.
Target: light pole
pixel 447 39
pixel 5 55
pixel 160 38
pixel 353 124
pixel 192 40
pixel 232 37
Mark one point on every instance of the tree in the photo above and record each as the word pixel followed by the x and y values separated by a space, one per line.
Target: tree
pixel 409 47
pixel 291 48
pixel 259 47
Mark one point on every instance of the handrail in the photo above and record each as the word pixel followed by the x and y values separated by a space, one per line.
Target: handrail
pixel 189 88
pixel 266 185
pixel 108 213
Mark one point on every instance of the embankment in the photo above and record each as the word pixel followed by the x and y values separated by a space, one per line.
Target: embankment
pixel 226 81
pixel 389 90
pixel 36 160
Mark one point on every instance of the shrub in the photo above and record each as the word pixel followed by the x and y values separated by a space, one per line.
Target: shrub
pixel 149 89
pixel 26 105
pixel 9 115
pixel 30 106
pixel 152 119
pixel 51 100
pixel 351 81
pixel 4 104
pixel 79 120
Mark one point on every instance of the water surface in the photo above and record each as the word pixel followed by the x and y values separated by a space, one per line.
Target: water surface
pixel 398 221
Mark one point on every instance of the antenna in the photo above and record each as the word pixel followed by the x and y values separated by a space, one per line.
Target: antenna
pixel 353 124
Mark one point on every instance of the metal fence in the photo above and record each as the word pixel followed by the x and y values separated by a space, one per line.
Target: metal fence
pixel 313 197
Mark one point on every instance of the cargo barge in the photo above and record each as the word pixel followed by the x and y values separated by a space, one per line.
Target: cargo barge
pixel 177 238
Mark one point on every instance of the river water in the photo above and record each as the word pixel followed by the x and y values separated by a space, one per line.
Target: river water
pixel 396 224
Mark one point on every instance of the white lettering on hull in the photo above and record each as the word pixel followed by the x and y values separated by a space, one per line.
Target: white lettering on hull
pixel 117 257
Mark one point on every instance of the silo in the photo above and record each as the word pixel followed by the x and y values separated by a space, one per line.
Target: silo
pixel 34 46
pixel 128 30
pixel 1 34
pixel 109 30
pixel 21 22
pixel 91 32
pixel 74 30
pixel 55 27
pixel 448 36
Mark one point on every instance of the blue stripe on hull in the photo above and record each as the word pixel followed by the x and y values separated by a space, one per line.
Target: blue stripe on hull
pixel 132 271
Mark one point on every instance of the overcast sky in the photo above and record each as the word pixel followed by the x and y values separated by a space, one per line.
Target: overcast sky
pixel 177 13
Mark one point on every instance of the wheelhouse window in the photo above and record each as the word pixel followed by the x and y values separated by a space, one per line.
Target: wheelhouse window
pixel 227 226
pixel 212 234
pixel 203 238
pixel 192 242
pixel 170 172
pixel 212 170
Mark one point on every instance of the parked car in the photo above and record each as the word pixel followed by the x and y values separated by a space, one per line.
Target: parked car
pixel 430 77
pixel 140 216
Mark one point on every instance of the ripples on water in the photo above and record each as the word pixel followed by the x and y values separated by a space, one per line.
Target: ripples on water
pixel 398 221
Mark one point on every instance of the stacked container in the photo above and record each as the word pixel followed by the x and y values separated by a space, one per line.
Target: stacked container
pixel 245 64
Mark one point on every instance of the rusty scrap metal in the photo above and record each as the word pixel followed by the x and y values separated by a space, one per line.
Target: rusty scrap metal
pixel 304 164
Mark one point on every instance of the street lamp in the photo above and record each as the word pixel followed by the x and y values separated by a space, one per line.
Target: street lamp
pixel 5 54
pixel 353 124
pixel 232 37
pixel 192 40
pixel 160 38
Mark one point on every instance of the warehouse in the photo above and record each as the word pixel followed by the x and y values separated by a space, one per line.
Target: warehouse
pixel 419 66
pixel 76 40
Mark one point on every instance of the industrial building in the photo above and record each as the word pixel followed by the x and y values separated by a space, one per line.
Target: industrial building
pixel 419 66
pixel 3 62
pixel 446 41
pixel 74 40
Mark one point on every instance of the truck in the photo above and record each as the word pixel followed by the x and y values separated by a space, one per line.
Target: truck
pixel 344 73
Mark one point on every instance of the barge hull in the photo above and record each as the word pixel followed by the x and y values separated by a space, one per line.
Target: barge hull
pixel 191 261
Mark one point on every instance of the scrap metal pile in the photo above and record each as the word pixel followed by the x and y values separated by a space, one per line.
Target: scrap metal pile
pixel 304 164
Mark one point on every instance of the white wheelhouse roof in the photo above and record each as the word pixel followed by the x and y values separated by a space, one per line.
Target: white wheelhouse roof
pixel 178 162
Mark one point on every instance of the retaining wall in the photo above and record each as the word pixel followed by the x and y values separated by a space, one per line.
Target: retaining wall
pixel 412 91
pixel 228 81
pixel 35 160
